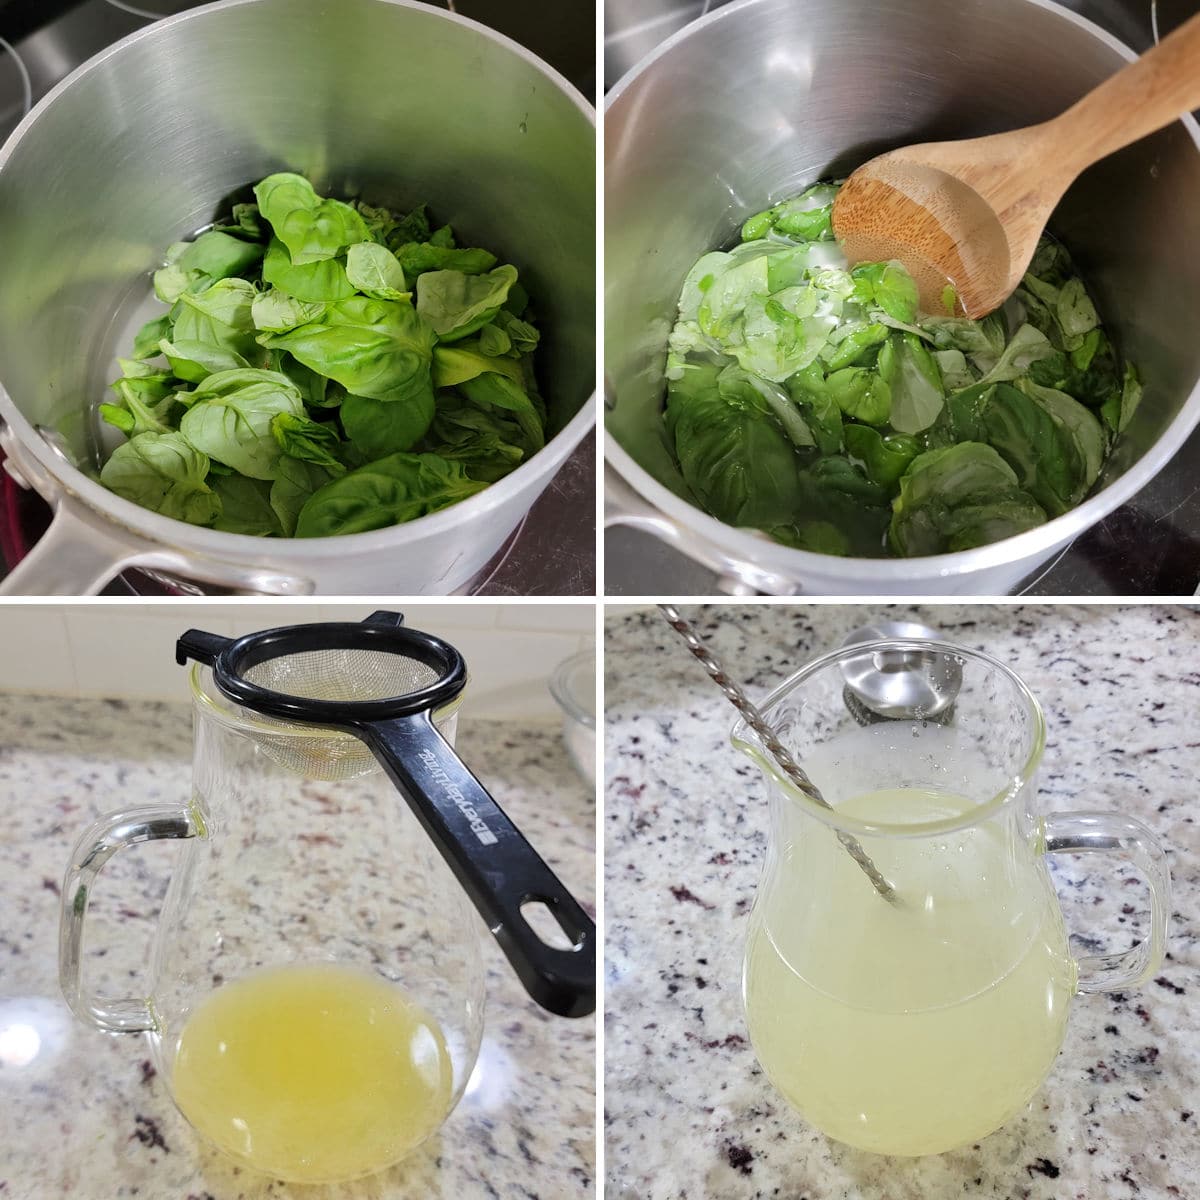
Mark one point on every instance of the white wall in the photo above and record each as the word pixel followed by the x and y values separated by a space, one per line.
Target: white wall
pixel 126 649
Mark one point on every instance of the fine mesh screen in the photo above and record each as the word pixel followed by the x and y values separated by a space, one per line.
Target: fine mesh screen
pixel 346 675
pixel 333 674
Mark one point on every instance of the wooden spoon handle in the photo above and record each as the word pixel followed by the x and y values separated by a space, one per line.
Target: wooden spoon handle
pixel 1144 96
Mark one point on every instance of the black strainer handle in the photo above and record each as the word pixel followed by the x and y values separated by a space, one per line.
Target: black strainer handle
pixel 499 870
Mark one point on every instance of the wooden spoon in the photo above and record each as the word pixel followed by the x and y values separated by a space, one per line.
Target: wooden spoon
pixel 970 213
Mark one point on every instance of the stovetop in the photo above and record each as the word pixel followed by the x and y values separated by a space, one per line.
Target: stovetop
pixel 553 551
pixel 1151 546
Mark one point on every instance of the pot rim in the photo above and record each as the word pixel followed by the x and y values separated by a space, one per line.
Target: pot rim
pixel 243 547
pixel 747 742
pixel 1035 544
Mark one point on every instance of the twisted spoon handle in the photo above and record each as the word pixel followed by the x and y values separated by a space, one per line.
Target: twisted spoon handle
pixel 774 746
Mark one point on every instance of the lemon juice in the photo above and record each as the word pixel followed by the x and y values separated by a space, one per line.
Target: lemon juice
pixel 313 1072
pixel 916 1027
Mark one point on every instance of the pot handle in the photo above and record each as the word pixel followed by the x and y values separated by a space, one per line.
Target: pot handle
pixel 499 870
pixel 82 551
pixel 624 505
pixel 1110 833
pixel 92 851
pixel 74 557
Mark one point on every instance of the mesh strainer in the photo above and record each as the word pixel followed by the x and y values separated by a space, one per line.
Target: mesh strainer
pixel 380 682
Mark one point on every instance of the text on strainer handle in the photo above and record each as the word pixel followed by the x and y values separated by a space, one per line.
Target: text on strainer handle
pixel 499 870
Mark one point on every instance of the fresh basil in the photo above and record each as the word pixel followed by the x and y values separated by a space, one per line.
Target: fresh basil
pixel 165 473
pixel 389 491
pixel 799 388
pixel 294 374
pixel 456 304
pixel 375 271
pixel 231 415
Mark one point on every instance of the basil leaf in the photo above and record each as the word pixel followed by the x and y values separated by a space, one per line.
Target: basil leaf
pixel 958 498
pixel 194 266
pixel 487 441
pixel 165 473
pixel 381 349
pixel 914 381
pixel 294 484
pixel 314 282
pixel 230 419
pixel 375 272
pixel 497 391
pixel 277 312
pixel 306 439
pixel 456 304
pixel 398 488
pixel 453 365
pixel 245 506
pixel 146 340
pixel 195 361
pixel 734 456
pixel 861 394
pixel 311 228
pixel 378 427
pixel 886 458
pixel 418 257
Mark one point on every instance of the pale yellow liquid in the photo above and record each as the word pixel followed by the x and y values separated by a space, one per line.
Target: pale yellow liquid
pixel 916 1028
pixel 313 1073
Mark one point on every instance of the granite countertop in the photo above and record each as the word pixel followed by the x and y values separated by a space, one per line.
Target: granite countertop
pixel 690 1115
pixel 87 1117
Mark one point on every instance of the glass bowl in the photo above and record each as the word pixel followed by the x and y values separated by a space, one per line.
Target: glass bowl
pixel 573 685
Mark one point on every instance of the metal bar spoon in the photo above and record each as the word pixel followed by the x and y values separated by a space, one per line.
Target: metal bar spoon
pixel 771 743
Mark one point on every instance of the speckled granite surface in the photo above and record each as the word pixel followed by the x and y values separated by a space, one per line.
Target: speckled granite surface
pixel 86 1118
pixel 690 1116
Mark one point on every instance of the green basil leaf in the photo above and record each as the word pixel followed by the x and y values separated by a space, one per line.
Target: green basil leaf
pixel 456 364
pixel 196 265
pixel 861 394
pixel 381 349
pixel 418 257
pixel 309 440
pixel 196 361
pixel 497 391
pixel 392 490
pixel 315 282
pixel 275 311
pixel 246 506
pixel 958 498
pixel 230 419
pixel 294 484
pixel 312 229
pixel 146 340
pixel 164 473
pixel 456 304
pixel 378 427
pixel 375 271
pixel 487 441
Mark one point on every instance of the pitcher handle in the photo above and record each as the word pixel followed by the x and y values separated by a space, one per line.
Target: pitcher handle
pixel 1101 833
pixel 108 835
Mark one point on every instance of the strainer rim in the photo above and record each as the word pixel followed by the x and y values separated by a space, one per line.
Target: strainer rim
pixel 228 712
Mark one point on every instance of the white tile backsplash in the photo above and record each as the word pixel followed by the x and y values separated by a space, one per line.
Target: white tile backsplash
pixel 35 655
pixel 127 650
pixel 567 618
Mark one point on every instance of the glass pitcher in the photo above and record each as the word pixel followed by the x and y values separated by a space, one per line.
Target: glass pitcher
pixel 917 1026
pixel 308 912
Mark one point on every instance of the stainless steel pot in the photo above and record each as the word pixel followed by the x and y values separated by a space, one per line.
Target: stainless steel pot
pixel 764 97
pixel 388 99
